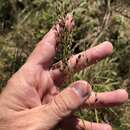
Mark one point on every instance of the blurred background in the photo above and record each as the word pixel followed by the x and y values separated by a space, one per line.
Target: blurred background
pixel 24 22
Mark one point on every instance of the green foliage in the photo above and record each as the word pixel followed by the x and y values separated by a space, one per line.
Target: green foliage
pixel 24 22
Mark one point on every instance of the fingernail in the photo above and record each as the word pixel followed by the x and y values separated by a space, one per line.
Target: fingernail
pixel 83 90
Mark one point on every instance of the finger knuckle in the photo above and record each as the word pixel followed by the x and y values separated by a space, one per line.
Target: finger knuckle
pixel 60 106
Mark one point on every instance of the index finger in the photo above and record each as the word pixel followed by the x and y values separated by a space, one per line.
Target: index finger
pixel 46 48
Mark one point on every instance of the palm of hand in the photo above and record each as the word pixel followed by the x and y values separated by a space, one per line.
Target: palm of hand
pixel 33 85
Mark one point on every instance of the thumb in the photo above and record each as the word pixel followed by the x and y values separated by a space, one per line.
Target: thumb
pixel 64 103
pixel 70 99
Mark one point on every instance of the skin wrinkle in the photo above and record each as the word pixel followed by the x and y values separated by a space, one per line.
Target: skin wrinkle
pixel 63 102
pixel 46 82
pixel 59 109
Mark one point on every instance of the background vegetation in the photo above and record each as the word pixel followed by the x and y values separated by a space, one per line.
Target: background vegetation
pixel 24 22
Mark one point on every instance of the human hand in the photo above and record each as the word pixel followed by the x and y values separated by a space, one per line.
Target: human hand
pixel 31 100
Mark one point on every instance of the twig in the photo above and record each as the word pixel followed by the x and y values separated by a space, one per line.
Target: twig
pixel 81 114
pixel 105 24
pixel 88 38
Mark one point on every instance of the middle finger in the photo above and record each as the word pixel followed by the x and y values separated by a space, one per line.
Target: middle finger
pixel 60 70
